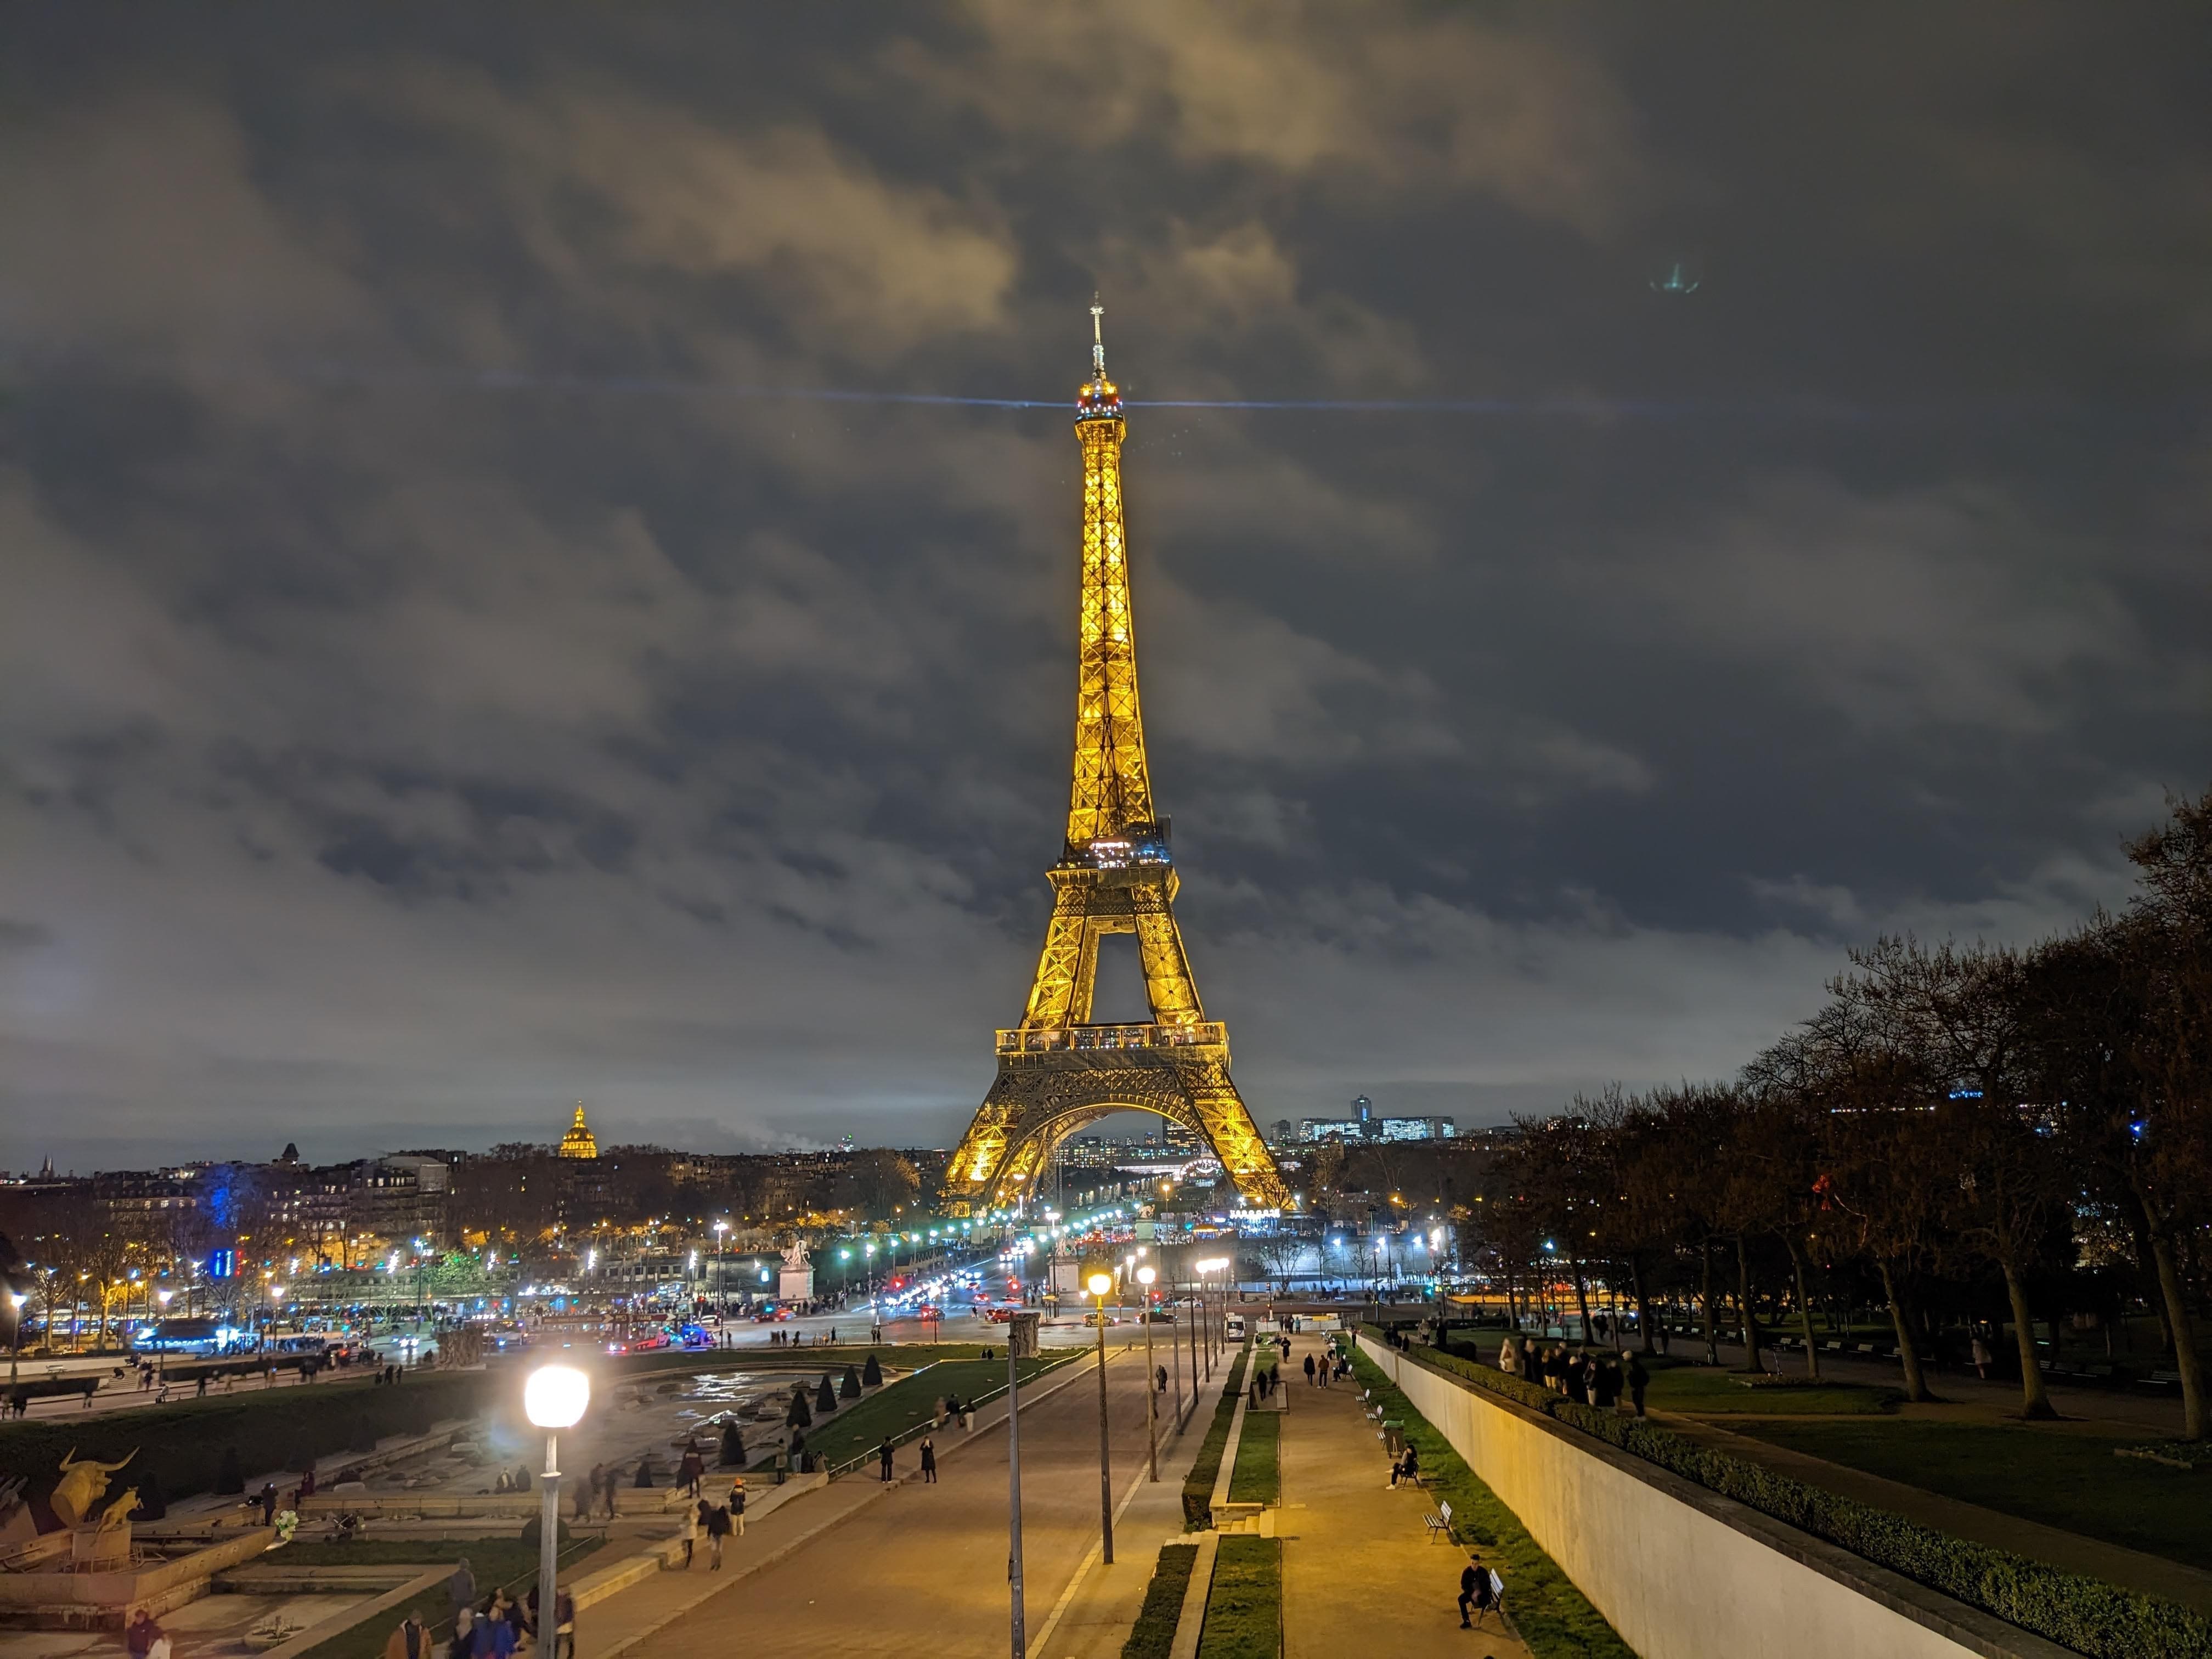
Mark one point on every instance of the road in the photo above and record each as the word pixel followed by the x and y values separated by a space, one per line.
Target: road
pixel 925 1566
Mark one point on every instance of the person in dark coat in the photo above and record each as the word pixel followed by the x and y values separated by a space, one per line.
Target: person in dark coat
pixel 883 1452
pixel 928 1461
pixel 718 1529
pixel 1311 1369
pixel 1639 1380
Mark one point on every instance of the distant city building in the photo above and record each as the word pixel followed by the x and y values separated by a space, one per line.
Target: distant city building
pixel 1364 1125
pixel 579 1142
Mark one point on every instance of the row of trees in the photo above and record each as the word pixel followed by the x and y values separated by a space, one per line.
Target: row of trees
pixel 1958 1130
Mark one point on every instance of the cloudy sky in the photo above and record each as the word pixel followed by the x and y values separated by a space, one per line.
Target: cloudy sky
pixel 436 685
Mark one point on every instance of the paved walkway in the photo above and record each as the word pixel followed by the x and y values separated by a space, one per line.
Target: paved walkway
pixel 1359 1567
pixel 858 1567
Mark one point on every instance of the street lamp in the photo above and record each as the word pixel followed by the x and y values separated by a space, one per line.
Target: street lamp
pixel 161 1350
pixel 554 1398
pixel 721 1274
pixel 1102 1286
pixel 1145 1277
pixel 15 1300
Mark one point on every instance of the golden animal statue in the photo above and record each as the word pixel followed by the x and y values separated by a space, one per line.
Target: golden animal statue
pixel 119 1510
pixel 83 1482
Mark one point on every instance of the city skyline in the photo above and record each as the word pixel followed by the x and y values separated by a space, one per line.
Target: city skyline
pixel 440 687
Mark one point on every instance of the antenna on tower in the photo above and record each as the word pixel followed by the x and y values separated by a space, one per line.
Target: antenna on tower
pixel 1097 337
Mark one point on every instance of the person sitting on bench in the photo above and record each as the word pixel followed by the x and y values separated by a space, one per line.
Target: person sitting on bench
pixel 1408 1466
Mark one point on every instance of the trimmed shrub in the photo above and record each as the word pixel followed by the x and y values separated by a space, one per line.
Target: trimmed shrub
pixel 1153 1635
pixel 798 1417
pixel 850 1388
pixel 825 1397
pixel 871 1374
pixel 733 1447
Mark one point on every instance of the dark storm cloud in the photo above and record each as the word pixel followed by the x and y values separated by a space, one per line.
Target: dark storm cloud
pixel 427 701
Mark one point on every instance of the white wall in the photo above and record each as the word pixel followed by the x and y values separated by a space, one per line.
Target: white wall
pixel 1681 1572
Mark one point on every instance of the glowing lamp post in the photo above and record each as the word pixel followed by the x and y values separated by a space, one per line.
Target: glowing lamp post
pixel 1102 1286
pixel 1145 1277
pixel 553 1398
pixel 16 1301
pixel 161 1342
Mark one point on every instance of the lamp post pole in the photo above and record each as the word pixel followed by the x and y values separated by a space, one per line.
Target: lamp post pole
pixel 553 1398
pixel 1145 1277
pixel 1102 1285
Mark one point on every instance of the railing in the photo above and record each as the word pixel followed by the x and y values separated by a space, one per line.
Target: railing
pixel 1089 1039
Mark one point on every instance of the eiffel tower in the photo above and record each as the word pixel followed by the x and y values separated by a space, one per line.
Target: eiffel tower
pixel 1057 1070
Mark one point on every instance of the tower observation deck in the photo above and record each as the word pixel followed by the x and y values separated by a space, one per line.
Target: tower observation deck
pixel 1057 1070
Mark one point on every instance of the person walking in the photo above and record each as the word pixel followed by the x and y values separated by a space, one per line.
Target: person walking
pixel 564 1626
pixel 1639 1380
pixel 883 1452
pixel 611 1478
pixel 690 1471
pixel 695 1518
pixel 1310 1368
pixel 1509 1356
pixel 928 1461
pixel 1981 1352
pixel 464 1620
pixel 718 1529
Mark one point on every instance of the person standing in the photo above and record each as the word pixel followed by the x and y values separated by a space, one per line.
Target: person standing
pixel 1310 1369
pixel 461 1588
pixel 690 1471
pixel 139 1639
pixel 1509 1357
pixel 928 1461
pixel 1981 1352
pixel 718 1529
pixel 1639 1380
pixel 738 1504
pixel 695 1518
pixel 411 1641
pixel 883 1452
pixel 564 1624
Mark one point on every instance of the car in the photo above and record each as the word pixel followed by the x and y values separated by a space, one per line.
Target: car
pixel 1094 1317
pixel 929 1310
pixel 998 1316
pixel 1160 1316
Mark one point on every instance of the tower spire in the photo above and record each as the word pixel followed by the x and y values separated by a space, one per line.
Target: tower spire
pixel 1098 338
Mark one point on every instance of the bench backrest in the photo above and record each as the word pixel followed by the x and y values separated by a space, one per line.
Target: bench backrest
pixel 1444 1510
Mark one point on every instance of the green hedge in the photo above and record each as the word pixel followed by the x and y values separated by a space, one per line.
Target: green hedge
pixel 1552 1617
pixel 1198 1485
pixel 1244 1604
pixel 182 1443
pixel 2092 1616
pixel 1153 1635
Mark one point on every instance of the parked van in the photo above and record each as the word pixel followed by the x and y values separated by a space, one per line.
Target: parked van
pixel 1234 1327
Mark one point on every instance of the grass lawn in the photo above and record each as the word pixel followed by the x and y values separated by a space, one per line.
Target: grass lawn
pixel 1254 1479
pixel 892 1410
pixel 2059 1477
pixel 1244 1606
pixel 1702 1390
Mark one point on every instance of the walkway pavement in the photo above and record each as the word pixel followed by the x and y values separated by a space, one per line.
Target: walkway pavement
pixel 859 1565
pixel 1359 1567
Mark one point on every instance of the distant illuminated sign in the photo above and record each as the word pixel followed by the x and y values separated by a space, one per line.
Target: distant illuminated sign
pixel 222 1264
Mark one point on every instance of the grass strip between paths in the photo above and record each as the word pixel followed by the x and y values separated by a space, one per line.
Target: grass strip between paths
pixel 1255 1477
pixel 1153 1635
pixel 1244 1604
pixel 1198 1485
pixel 1552 1615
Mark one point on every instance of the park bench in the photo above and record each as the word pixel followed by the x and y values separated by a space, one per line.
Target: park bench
pixel 2100 1373
pixel 1832 1345
pixel 2165 1379
pixel 1439 1521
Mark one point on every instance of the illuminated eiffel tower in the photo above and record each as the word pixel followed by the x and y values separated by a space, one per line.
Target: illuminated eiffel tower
pixel 1058 1071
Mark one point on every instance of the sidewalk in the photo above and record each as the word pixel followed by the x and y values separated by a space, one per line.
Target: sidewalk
pixel 1357 1564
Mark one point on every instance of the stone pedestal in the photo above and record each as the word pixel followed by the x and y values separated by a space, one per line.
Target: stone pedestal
pixel 795 1284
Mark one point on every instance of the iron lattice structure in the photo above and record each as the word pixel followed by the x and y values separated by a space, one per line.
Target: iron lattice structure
pixel 1058 1071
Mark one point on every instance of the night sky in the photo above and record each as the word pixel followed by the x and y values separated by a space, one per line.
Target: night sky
pixel 435 688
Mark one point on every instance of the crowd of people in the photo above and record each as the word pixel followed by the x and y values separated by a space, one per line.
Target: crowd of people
pixel 1599 1377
